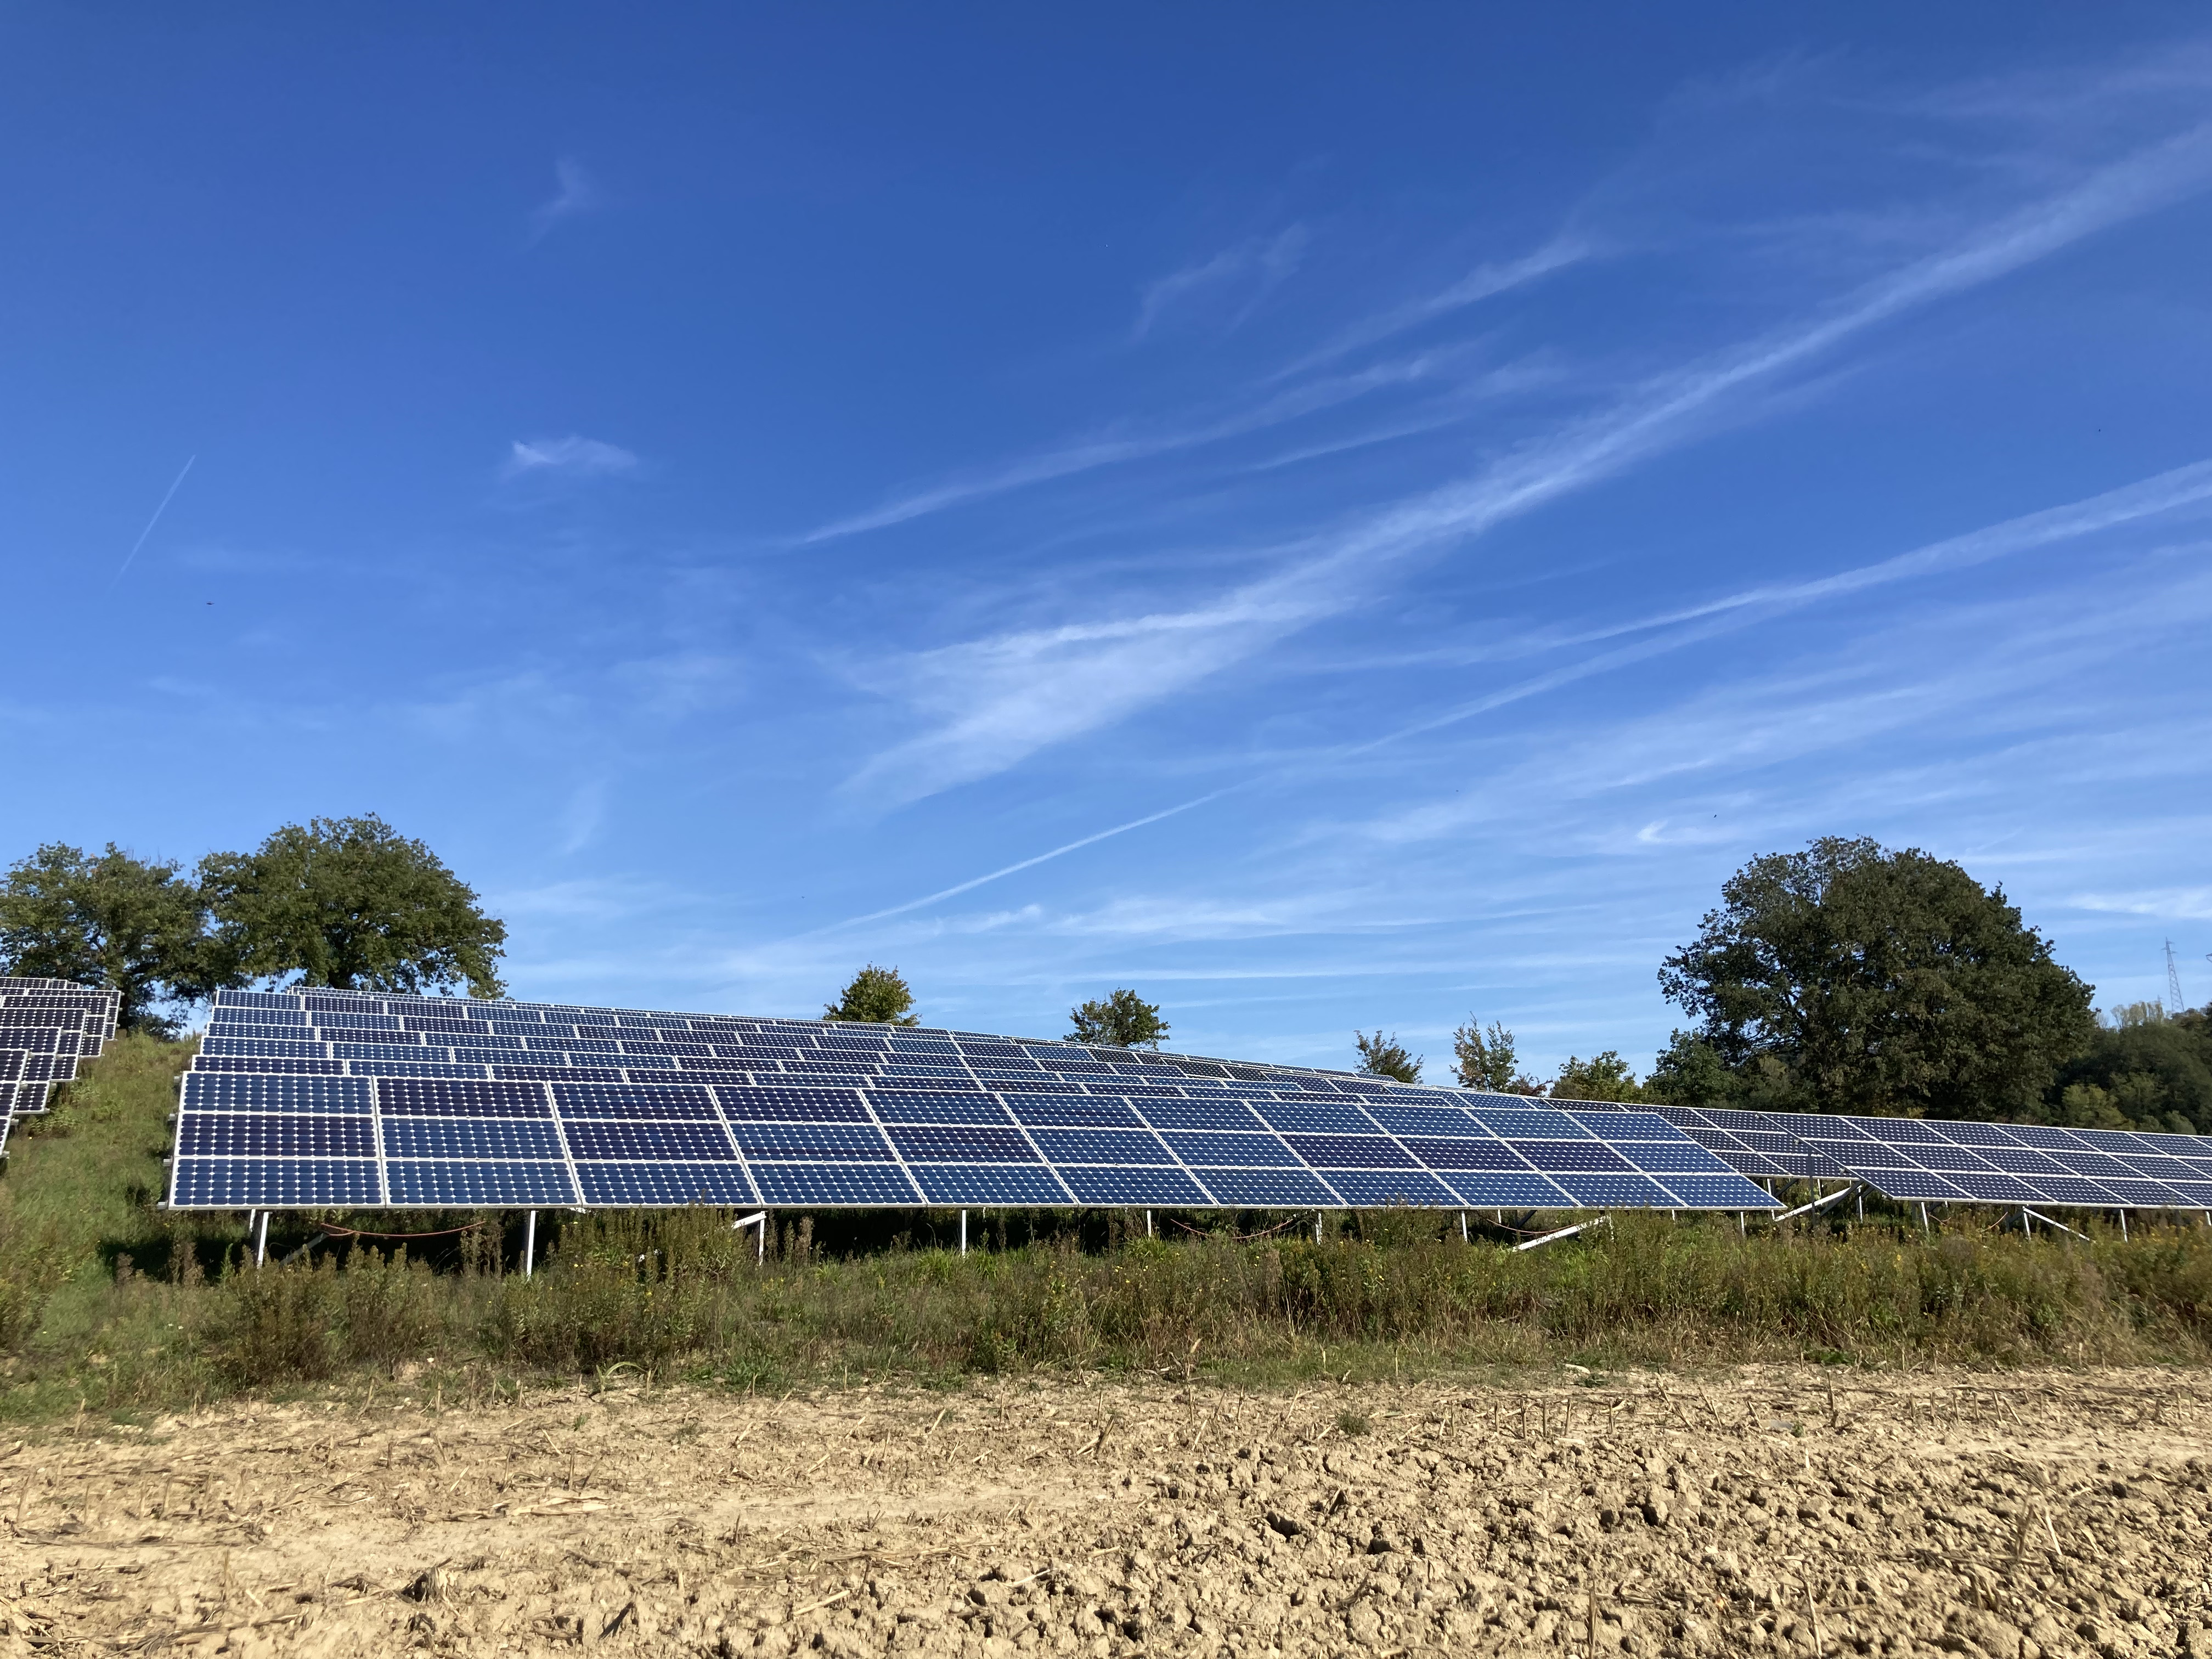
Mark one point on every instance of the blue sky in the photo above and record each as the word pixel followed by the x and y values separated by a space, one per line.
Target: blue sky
pixel 1332 517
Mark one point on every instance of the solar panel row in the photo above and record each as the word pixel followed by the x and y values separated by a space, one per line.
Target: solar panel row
pixel 1932 1160
pixel 252 1141
pixel 559 1104
pixel 47 1025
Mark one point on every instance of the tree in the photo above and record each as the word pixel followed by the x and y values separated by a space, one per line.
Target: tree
pixel 1485 1059
pixel 1605 1077
pixel 133 924
pixel 2143 1073
pixel 1381 1056
pixel 352 904
pixel 1122 1019
pixel 1848 978
pixel 876 996
pixel 1689 1072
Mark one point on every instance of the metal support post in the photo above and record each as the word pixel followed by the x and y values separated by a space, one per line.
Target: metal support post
pixel 1462 1226
pixel 2123 1226
pixel 261 1240
pixel 530 1244
pixel 1817 1203
pixel 1148 1224
pixel 1923 1218
pixel 963 1232
pixel 1742 1230
pixel 1564 1232
pixel 2026 1212
pixel 1861 1203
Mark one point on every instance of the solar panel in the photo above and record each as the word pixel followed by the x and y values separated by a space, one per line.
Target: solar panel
pixel 1937 1160
pixel 467 1103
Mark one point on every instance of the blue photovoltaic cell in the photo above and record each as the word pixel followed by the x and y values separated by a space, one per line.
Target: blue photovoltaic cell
pixel 1308 1118
pixel 791 1105
pixel 942 1143
pixel 387 1051
pixel 698 1107
pixel 1350 1152
pixel 833 1184
pixel 1487 1190
pixel 241 1063
pixel 1061 1146
pixel 291 1135
pixel 1267 1189
pixel 1391 1188
pixel 1197 1115
pixel 223 1093
pixel 1422 1120
pixel 639 1142
pixel 1074 1111
pixel 1469 1154
pixel 474 1138
pixel 1097 1185
pixel 792 1142
pixel 897 1106
pixel 1994 1189
pixel 1720 1192
pixel 1670 1156
pixel 416 1181
pixel 417 1096
pixel 1228 1150
pixel 665 1183
pixel 1520 1125
pixel 1554 1156
pixel 276 1050
pixel 1610 1191
pixel 410 1068
pixel 944 1183
pixel 212 1183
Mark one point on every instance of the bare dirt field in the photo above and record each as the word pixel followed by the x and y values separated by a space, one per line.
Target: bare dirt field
pixel 1795 1510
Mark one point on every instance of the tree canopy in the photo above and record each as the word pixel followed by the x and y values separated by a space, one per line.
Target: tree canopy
pixel 1603 1076
pixel 1121 1019
pixel 352 904
pixel 2143 1073
pixel 875 996
pixel 133 924
pixel 1483 1059
pixel 1381 1056
pixel 1849 978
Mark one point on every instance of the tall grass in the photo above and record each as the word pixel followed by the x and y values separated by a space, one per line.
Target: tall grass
pixel 105 1303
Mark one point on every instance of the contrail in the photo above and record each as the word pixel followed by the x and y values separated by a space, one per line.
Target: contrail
pixel 1008 869
pixel 149 529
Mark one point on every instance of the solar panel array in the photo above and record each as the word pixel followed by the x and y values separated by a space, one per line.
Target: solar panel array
pixel 47 1025
pixel 1933 1160
pixel 320 1098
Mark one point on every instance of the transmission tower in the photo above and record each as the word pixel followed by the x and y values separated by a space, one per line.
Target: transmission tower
pixel 2175 1005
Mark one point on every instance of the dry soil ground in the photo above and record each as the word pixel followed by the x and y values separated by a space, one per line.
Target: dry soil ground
pixel 1795 1511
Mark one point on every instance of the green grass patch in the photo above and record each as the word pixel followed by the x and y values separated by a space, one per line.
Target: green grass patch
pixel 109 1305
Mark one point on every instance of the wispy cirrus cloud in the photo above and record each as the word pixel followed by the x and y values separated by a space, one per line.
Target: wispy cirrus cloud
pixel 1239 277
pixel 995 700
pixel 1446 366
pixel 575 193
pixel 571 457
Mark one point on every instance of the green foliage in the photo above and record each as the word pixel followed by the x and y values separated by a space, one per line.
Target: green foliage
pixel 135 925
pixel 876 996
pixel 1690 1071
pixel 1381 1056
pixel 1848 978
pixel 1604 1077
pixel 1122 1019
pixel 1483 1059
pixel 352 904
pixel 2143 1074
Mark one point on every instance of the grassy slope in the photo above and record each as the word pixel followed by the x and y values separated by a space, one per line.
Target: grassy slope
pixel 108 1303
